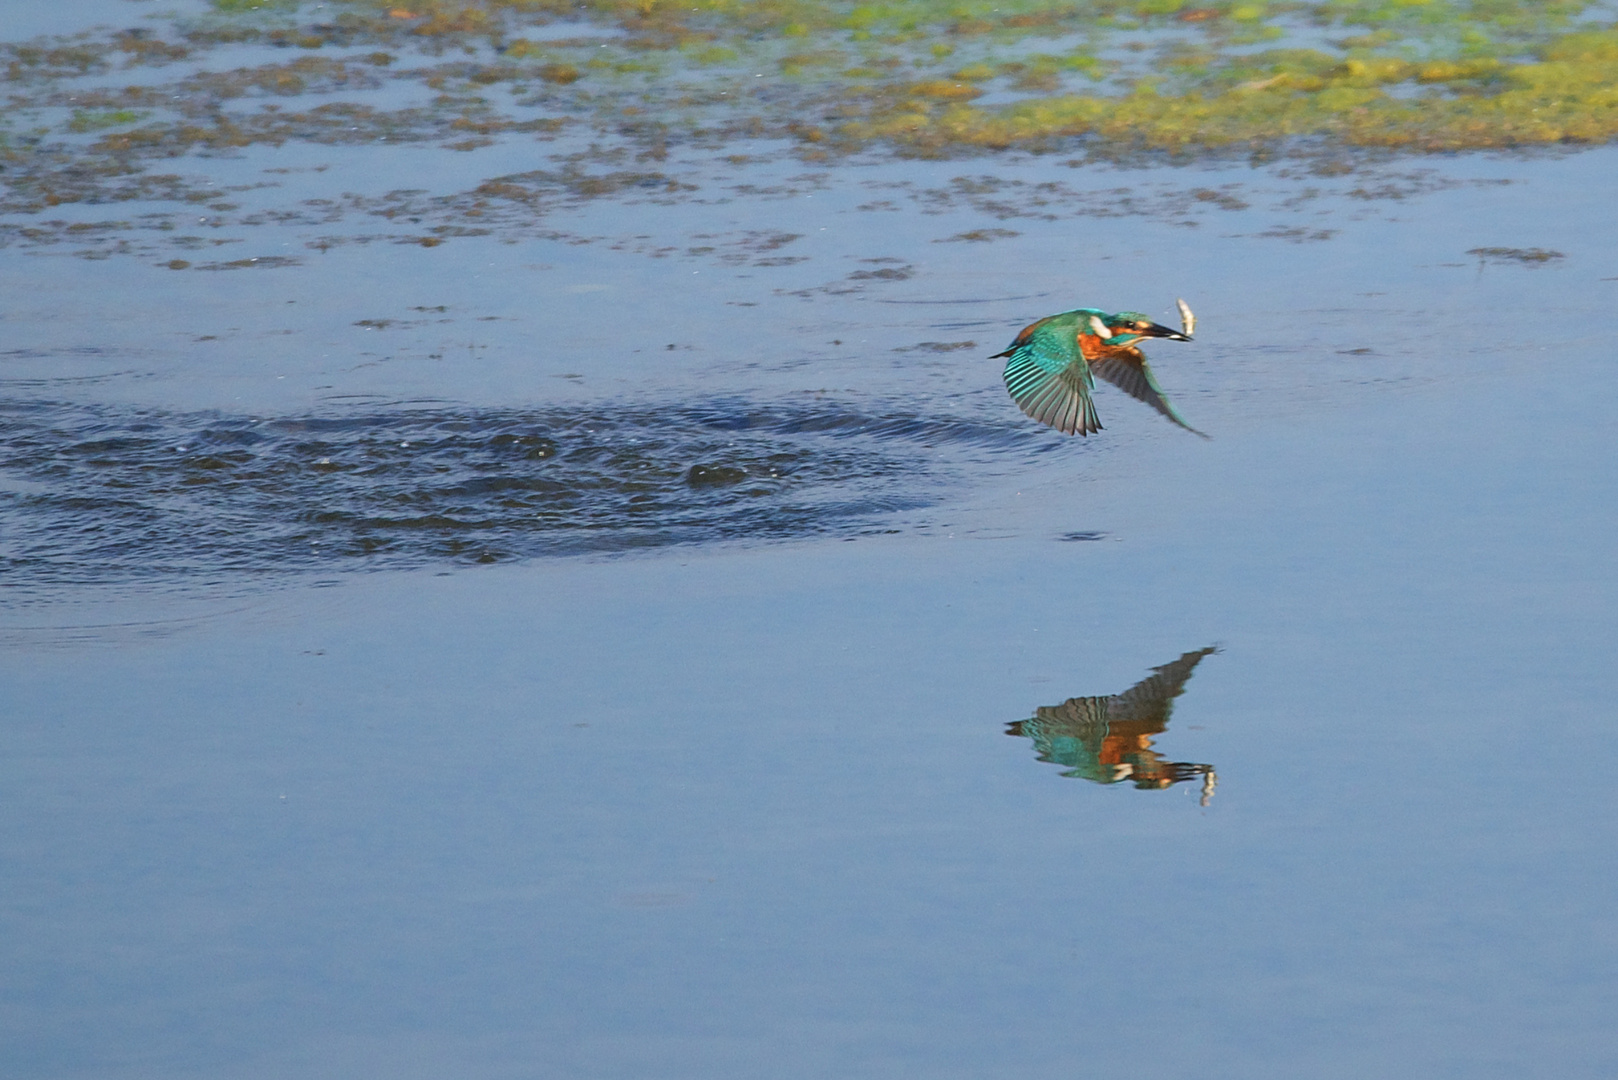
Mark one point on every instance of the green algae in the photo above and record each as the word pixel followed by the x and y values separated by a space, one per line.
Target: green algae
pixel 1149 74
pixel 85 120
pixel 92 118
pixel 1401 74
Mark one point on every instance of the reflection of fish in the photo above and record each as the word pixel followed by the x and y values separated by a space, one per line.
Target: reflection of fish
pixel 1052 364
pixel 1108 739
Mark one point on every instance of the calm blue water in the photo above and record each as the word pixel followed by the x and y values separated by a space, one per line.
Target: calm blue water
pixel 718 783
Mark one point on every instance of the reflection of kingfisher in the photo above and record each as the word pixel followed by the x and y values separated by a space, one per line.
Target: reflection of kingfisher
pixel 1108 739
pixel 1053 364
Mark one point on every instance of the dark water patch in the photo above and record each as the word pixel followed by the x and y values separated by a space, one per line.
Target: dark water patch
pixel 93 493
pixel 887 273
pixel 937 346
pixel 967 300
pixel 1524 256
pixel 1297 234
pixel 256 262
pixel 981 236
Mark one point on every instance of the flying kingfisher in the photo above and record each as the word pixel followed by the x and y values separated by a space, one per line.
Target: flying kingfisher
pixel 1053 364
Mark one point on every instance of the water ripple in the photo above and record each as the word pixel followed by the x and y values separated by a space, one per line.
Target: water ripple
pixel 96 493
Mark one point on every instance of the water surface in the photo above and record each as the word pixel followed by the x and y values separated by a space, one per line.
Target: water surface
pixel 588 648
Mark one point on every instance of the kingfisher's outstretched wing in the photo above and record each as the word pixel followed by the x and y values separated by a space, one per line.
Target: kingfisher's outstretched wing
pixel 1128 370
pixel 1049 378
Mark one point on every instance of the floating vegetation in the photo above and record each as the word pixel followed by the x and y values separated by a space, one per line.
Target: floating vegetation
pixel 101 117
pixel 1153 73
pixel 1415 74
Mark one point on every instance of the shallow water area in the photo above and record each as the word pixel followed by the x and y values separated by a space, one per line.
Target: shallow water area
pixel 28 21
pixel 560 607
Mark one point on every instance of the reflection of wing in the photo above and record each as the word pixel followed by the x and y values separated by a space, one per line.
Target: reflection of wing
pixel 1152 697
pixel 1128 370
pixel 1109 739
pixel 1074 712
pixel 1050 381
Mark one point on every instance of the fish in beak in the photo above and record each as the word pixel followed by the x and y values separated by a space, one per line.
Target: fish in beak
pixel 1188 318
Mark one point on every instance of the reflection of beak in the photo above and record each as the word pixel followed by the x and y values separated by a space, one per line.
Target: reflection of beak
pixel 1154 330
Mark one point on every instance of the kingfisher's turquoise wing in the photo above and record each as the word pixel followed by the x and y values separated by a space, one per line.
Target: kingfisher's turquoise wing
pixel 1071 734
pixel 1133 375
pixel 1050 381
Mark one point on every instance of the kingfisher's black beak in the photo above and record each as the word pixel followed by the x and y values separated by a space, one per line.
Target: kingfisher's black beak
pixel 1154 330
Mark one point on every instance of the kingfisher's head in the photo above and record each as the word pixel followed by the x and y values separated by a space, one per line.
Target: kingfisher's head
pixel 1131 326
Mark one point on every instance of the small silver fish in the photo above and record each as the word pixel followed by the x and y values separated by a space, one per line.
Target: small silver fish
pixel 1188 321
pixel 1099 328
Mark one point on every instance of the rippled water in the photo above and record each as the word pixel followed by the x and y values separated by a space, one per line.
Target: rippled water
pixel 98 494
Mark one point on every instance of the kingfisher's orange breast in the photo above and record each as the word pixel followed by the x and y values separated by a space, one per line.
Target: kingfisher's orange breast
pixel 1091 348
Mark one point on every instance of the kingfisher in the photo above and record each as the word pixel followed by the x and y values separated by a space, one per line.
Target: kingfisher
pixel 1053 363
